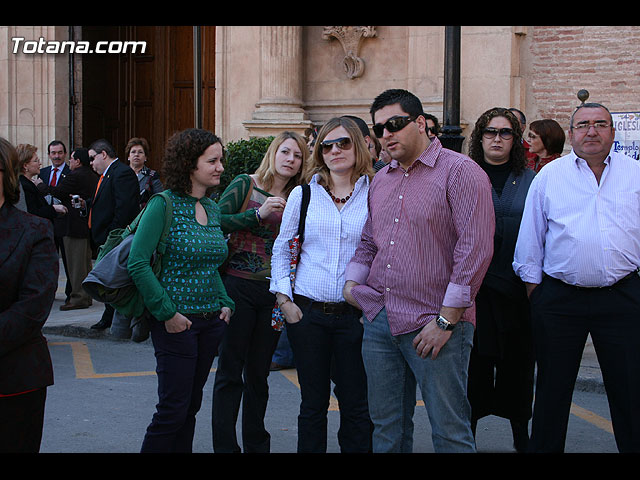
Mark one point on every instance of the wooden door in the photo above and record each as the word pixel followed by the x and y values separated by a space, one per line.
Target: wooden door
pixel 145 94
pixel 181 98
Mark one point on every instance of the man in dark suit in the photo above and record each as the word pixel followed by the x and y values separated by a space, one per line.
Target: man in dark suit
pixel 114 205
pixel 51 175
pixel 82 181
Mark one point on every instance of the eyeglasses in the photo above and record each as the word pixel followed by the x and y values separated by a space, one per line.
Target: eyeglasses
pixel 394 124
pixel 505 133
pixel 585 126
pixel 343 143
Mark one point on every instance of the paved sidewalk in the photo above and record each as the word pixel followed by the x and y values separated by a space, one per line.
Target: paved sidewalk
pixel 77 323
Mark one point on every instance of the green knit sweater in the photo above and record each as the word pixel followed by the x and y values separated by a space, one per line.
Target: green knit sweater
pixel 189 281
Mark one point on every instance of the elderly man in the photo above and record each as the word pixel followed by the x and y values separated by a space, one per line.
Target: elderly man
pixel 578 251
pixel 425 249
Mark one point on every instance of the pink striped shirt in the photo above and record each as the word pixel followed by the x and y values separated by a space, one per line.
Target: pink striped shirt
pixel 427 241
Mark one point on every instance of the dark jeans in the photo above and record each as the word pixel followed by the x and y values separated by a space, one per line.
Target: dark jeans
pixel 21 422
pixel 246 350
pixel 562 318
pixel 183 363
pixel 328 347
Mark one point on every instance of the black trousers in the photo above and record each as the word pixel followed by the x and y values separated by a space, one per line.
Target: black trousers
pixel 243 367
pixel 563 316
pixel 183 363
pixel 501 366
pixel 21 422
pixel 328 347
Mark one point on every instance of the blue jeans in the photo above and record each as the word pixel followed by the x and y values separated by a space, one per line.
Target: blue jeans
pixel 394 368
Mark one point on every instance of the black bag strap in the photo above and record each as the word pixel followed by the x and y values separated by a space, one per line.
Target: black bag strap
pixel 306 197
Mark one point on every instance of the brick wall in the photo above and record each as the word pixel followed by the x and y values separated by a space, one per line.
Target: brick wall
pixel 605 60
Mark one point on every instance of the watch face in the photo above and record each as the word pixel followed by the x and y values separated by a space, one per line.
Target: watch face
pixel 443 323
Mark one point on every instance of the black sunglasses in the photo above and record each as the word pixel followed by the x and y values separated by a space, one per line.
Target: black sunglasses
pixel 505 133
pixel 343 143
pixel 394 124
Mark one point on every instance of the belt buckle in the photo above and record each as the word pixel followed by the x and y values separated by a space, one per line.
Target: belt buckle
pixel 329 308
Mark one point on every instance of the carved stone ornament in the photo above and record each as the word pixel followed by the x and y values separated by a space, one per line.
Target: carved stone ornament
pixel 350 38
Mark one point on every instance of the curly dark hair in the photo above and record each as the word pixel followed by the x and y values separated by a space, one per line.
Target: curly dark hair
pixel 517 156
pixel 181 157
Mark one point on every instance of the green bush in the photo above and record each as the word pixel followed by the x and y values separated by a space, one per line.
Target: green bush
pixel 242 156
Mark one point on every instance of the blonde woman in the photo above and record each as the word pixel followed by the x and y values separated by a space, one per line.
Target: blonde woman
pixel 252 207
pixel 325 332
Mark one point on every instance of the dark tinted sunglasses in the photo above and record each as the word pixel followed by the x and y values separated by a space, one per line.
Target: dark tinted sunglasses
pixel 343 143
pixel 505 133
pixel 394 124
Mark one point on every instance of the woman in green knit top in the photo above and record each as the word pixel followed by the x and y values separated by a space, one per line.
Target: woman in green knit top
pixel 188 301
pixel 250 341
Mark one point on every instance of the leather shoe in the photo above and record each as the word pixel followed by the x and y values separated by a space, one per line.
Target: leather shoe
pixel 71 306
pixel 102 324
pixel 276 366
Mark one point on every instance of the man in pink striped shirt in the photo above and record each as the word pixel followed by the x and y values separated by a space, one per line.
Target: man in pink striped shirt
pixel 425 249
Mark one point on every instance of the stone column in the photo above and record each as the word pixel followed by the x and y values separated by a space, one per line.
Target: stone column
pixel 34 87
pixel 280 105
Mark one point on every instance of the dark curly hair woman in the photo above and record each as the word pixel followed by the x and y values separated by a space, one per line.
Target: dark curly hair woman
pixel 188 302
pixel 501 365
pixel 485 132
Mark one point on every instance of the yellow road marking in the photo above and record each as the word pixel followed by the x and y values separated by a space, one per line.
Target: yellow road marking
pixel 292 375
pixel 84 366
pixel 84 369
pixel 592 418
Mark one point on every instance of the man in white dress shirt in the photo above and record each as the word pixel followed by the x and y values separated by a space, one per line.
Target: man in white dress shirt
pixel 578 251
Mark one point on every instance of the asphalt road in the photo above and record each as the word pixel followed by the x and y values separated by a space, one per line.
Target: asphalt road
pixel 105 394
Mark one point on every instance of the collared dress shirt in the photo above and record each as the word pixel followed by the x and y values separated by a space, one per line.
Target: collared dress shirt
pixel 428 239
pixel 330 239
pixel 577 230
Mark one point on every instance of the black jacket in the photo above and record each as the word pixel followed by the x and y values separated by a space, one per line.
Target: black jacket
pixel 28 284
pixel 36 203
pixel 59 223
pixel 81 181
pixel 116 203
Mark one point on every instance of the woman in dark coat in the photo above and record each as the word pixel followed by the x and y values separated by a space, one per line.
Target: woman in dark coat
pixel 28 167
pixel 29 266
pixel 501 365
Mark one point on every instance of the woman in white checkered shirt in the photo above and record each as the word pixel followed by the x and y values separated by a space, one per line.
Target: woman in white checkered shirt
pixel 324 330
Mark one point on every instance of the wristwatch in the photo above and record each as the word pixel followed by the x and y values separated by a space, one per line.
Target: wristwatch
pixel 444 324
